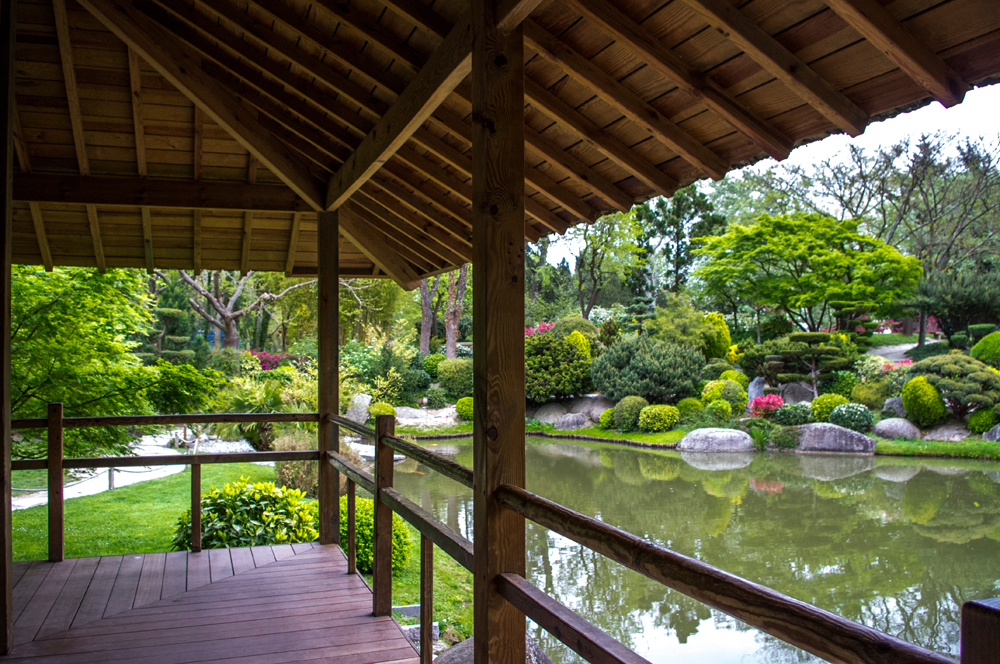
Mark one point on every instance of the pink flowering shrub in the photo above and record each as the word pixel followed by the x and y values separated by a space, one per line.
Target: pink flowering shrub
pixel 270 361
pixel 766 406
pixel 896 374
pixel 542 327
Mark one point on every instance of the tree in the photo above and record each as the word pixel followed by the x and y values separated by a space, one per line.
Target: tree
pixel 609 249
pixel 457 281
pixel 427 313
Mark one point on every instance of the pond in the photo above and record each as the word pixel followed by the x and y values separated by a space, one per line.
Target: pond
pixel 894 543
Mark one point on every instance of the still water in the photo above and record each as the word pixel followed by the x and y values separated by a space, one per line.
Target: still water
pixel 893 543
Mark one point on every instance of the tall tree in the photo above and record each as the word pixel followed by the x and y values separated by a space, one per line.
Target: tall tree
pixel 427 312
pixel 608 248
pixel 457 282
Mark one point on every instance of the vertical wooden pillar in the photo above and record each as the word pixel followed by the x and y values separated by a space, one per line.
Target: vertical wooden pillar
pixel 328 493
pixel 385 425
pixel 352 531
pixel 498 324
pixel 55 468
pixel 981 632
pixel 8 21
pixel 196 507
pixel 426 599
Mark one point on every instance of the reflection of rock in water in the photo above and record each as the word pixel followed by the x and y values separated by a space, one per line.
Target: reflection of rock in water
pixel 896 473
pixel 578 452
pixel 717 460
pixel 893 489
pixel 947 471
pixel 993 475
pixel 827 467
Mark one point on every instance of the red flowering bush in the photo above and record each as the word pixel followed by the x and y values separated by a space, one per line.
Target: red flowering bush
pixel 766 406
pixel 270 361
pixel 542 327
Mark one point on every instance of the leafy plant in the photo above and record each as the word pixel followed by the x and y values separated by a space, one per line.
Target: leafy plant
pixel 852 416
pixel 386 388
pixel 436 398
pixel 609 332
pixel 871 395
pixel 822 406
pixel 843 382
pixel 607 419
pixel 431 363
pixel 922 402
pixel 792 414
pixel 364 528
pixel 464 408
pixel 785 438
pixel 251 395
pixel 638 365
pixel 627 413
pixel 456 377
pixel 581 342
pixel 715 369
pixel 736 377
pixel 869 368
pixel 766 406
pixel 720 409
pixel 718 344
pixel 728 390
pixel 380 408
pixel 554 367
pixel 987 349
pixel 566 326
pixel 983 420
pixel 816 360
pixel 977 332
pixel 689 405
pixel 658 418
pixel 734 355
pixel 965 383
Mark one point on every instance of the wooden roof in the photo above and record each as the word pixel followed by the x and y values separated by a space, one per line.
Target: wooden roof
pixel 205 134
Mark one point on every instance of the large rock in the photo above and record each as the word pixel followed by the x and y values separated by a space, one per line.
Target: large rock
pixel 897 427
pixel 797 393
pixel 829 467
pixel 826 437
pixel 716 440
pixel 358 410
pixel 462 653
pixel 591 406
pixel 898 474
pixel 949 433
pixel 755 389
pixel 572 422
pixel 718 460
pixel 407 413
pixel 993 435
pixel 550 413
pixel 894 407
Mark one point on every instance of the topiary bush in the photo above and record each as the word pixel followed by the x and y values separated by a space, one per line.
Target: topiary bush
pixel 922 402
pixel 964 382
pixel 554 367
pixel 464 408
pixel 689 405
pixel 456 377
pixel 581 342
pixel 843 382
pixel 245 514
pixel 987 349
pixel 715 369
pixel 737 377
pixel 870 395
pixel 364 528
pixel 377 409
pixel 717 345
pixel 823 405
pixel 437 398
pixel 728 390
pixel 720 409
pixel 852 416
pixel 792 414
pixel 658 418
pixel 431 363
pixel 607 420
pixel 766 406
pixel 566 326
pixel 638 365
pixel 983 420
pixel 627 413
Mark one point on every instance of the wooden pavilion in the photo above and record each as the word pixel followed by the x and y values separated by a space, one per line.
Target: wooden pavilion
pixel 403 138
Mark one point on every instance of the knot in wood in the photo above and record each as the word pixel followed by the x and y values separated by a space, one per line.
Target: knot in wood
pixel 492 433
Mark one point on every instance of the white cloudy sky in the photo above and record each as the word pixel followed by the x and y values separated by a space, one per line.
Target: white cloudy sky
pixel 978 116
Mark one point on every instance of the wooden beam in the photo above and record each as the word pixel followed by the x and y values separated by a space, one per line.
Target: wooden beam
pixel 43 240
pixel 577 170
pixel 397 245
pixel 8 111
pixel 328 375
pixel 420 15
pixel 293 243
pixel 372 244
pixel 69 77
pixel 196 242
pixel 147 238
pixel 245 255
pixel 198 148
pixel 181 68
pixel 498 210
pixel 767 52
pixel 917 61
pixel 95 234
pixel 18 138
pixel 632 36
pixel 455 226
pixel 135 81
pixel 511 13
pixel 394 225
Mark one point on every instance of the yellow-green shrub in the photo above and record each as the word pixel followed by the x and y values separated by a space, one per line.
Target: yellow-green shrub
pixel 577 339
pixel 736 377
pixel 823 405
pixel 720 409
pixel 689 405
pixel 364 528
pixel 922 402
pixel 719 343
pixel 607 420
pixel 377 409
pixel 658 418
pixel 627 413
pixel 725 389
pixel 983 420
pixel 464 408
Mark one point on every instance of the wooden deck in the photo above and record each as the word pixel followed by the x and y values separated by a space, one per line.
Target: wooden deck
pixel 286 603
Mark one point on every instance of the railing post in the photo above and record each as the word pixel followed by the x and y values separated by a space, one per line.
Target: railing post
pixel 426 599
pixel 385 425
pixel 328 372
pixel 195 507
pixel 352 534
pixel 981 632
pixel 55 466
pixel 111 478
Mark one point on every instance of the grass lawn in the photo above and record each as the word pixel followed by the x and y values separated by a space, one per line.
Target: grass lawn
pixel 662 438
pixel 879 340
pixel 37 479
pixel 918 353
pixel 971 448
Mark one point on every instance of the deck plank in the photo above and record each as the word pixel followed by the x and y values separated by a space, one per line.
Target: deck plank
pixel 242 560
pixel 67 604
pixel 31 619
pixel 282 551
pixel 150 579
pixel 18 569
pixel 220 563
pixel 25 589
pixel 174 574
pixel 99 591
pixel 126 583
pixel 262 555
pixel 197 570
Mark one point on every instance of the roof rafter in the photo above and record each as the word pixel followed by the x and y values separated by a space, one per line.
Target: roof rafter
pixel 95 234
pixel 293 243
pixel 135 82
pixel 373 245
pixel 69 78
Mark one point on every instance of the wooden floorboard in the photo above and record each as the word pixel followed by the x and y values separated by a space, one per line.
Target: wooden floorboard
pixel 283 603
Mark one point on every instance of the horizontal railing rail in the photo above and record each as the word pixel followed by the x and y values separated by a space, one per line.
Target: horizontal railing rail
pixel 165 420
pixel 443 465
pixel 168 460
pixel 352 426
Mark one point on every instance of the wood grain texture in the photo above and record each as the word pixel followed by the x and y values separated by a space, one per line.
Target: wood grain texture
pixel 328 375
pixel 147 239
pixel 41 235
pixel 196 507
pixel 138 123
pixel 426 600
pixel 352 529
pixel 981 631
pixel 375 246
pixel 55 483
pixel 69 79
pixel 385 425
pixel 452 543
pixel 95 235
pixel 8 124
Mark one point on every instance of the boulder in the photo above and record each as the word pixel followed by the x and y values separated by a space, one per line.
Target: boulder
pixel 897 427
pixel 894 407
pixel 716 440
pixel 755 389
pixel 462 653
pixel 898 474
pixel 592 406
pixel 718 460
pixel 829 467
pixel 993 435
pixel 550 413
pixel 407 413
pixel 797 393
pixel 950 432
pixel 358 410
pixel 572 422
pixel 826 437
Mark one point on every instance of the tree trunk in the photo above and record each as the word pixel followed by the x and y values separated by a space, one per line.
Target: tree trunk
pixel 543 253
pixel 427 314
pixel 456 297
pixel 231 337
pixel 923 329
pixel 218 297
pixel 758 326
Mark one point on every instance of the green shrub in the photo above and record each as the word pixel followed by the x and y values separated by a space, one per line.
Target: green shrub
pixel 843 382
pixel 464 408
pixel 364 529
pixel 717 345
pixel 720 409
pixel 792 414
pixel 637 365
pixel 607 420
pixel 581 342
pixel 922 402
pixel 977 332
pixel 715 369
pixel 785 438
pixel 437 398
pixel 553 367
pixel 869 368
pixel 964 382
pixel 870 395
pixel 456 378
pixel 431 363
pixel 960 340
pixel 658 418
pixel 379 408
pixel 244 514
pixel 987 349
pixel 852 416
pixel 689 405
pixel 918 353
pixel 823 405
pixel 627 413
pixel 737 377
pixel 570 324
pixel 728 390
pixel 983 420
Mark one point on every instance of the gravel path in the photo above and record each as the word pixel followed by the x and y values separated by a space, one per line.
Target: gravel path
pixel 893 353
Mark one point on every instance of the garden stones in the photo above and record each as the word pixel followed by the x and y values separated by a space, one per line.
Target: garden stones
pixel 993 435
pixel 572 422
pixel 550 413
pixel 756 388
pixel 796 393
pixel 358 410
pixel 826 437
pixel 895 407
pixel 948 433
pixel 716 440
pixel 591 406
pixel 897 427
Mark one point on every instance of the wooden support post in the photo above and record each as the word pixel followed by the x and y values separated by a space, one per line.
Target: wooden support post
pixel 426 599
pixel 352 531
pixel 55 467
pixel 981 632
pixel 329 375
pixel 385 425
pixel 111 479
pixel 196 507
pixel 498 325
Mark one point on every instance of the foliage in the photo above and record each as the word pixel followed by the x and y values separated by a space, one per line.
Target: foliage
pixel 464 408
pixel 689 405
pixel 431 363
pixel 581 342
pixel 607 420
pixel 553 367
pixel 380 408
pixel 922 402
pixel 715 369
pixel 918 353
pixel 785 438
pixel 658 418
pixel 965 383
pixel 792 414
pixel 842 384
pixel 251 395
pixel 245 514
pixel 852 416
pixel 725 389
pixel 977 332
pixel 987 349
pixel 983 420
pixel 456 377
pixel 823 405
pixel 627 413
pixel 608 250
pixel 871 395
pixel 364 529
pixel 609 332
pixel 759 429
pixel 720 409
pixel 718 344
pixel 226 361
pixel 733 355
pixel 737 377
pixel 958 299
pixel 766 406
pixel 299 475
pixel 638 365
pixel 570 324
pixel 869 368
pixel 436 398
pixel 678 322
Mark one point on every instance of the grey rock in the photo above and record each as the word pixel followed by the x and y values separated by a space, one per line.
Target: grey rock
pixel 829 467
pixel 412 632
pixel 797 393
pixel 529 411
pixel 717 460
pixel 407 413
pixel 462 653
pixel 993 435
pixel 411 610
pixel 572 422
pixel 894 406
pixel 899 474
pixel 950 433
pixel 755 389
pixel 716 440
pixel 826 437
pixel 592 406
pixel 897 427
pixel 550 413
pixel 358 410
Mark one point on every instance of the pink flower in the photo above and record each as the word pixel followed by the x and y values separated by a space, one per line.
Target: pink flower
pixel 767 405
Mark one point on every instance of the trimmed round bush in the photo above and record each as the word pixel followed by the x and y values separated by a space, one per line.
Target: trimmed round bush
pixel 823 405
pixel 737 377
pixel 566 326
pixel 436 398
pixel 983 420
pixel 965 383
pixel 720 409
pixel 658 418
pixel 842 383
pixel 364 528
pixel 379 408
pixel 728 390
pixel 627 413
pixel 431 363
pixel 638 365
pixel 766 406
pixel 852 416
pixel 456 377
pixel 464 408
pixel 607 420
pixel 870 395
pixel 689 405
pixel 715 369
pixel 792 414
pixel 718 345
pixel 922 402
pixel 554 367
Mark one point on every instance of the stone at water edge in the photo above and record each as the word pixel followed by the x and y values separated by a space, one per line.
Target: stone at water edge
pixel 407 413
pixel 462 653
pixel 826 437
pixel 897 427
pixel 948 433
pixel 895 407
pixel 716 440
pixel 358 410
pixel 993 435
pixel 550 413
pixel 591 406
pixel 572 422
pixel 755 389
pixel 797 393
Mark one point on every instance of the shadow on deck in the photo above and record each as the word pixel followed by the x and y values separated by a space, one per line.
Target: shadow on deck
pixel 285 603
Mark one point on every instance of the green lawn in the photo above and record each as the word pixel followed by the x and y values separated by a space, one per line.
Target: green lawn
pixel 36 479
pixel 879 340
pixel 971 448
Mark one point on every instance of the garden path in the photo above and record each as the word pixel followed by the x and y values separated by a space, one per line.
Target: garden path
pixel 893 353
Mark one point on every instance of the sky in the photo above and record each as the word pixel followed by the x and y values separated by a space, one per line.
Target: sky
pixel 976 117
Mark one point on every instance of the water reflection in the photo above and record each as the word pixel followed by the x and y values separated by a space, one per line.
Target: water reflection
pixel 897 544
